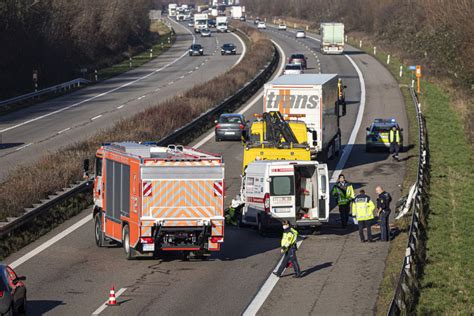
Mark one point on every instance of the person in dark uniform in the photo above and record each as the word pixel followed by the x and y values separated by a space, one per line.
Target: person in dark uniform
pixel 289 247
pixel 383 208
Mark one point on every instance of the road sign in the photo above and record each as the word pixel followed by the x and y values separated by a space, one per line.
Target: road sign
pixel 418 71
pixel 411 67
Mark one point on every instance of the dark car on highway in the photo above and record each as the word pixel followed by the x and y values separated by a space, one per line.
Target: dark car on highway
pixel 298 59
pixel 228 49
pixel 196 49
pixel 230 127
pixel 12 292
pixel 211 23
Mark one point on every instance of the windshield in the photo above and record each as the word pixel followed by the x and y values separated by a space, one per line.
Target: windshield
pixel 196 47
pixel 297 56
pixel 228 46
pixel 293 67
pixel 381 129
pixel 230 119
pixel 283 185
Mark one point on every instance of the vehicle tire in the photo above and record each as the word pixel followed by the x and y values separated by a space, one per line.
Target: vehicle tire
pixel 22 308
pixel 10 311
pixel 190 55
pixel 261 227
pixel 98 234
pixel 222 54
pixel 127 248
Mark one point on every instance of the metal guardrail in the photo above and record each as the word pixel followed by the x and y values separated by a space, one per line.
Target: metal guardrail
pixel 407 290
pixel 6 228
pixel 53 89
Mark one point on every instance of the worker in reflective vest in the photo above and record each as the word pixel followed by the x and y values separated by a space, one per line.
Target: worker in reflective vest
pixel 394 140
pixel 343 192
pixel 363 209
pixel 289 247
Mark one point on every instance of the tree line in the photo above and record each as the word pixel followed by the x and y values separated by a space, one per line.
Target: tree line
pixel 58 38
pixel 436 33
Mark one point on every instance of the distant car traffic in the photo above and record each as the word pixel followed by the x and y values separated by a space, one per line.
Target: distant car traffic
pixel 191 24
pixel 293 69
pixel 256 21
pixel 243 19
pixel 230 127
pixel 12 292
pixel 298 59
pixel 211 23
pixel 377 134
pixel 205 33
pixel 196 49
pixel 228 49
pixel 282 27
pixel 261 26
pixel 300 34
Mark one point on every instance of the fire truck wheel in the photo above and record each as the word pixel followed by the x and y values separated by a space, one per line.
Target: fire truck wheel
pixel 99 235
pixel 129 251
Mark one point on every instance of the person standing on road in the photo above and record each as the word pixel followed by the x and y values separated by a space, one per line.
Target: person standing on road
pixel 289 247
pixel 394 140
pixel 363 209
pixel 343 192
pixel 383 208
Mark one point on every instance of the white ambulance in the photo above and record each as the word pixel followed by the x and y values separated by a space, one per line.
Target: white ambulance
pixel 276 190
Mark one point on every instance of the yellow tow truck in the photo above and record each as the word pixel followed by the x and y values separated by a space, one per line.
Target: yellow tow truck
pixel 276 137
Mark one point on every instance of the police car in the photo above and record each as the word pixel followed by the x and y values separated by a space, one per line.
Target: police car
pixel 377 134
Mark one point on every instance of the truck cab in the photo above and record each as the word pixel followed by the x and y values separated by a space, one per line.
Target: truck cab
pixel 276 190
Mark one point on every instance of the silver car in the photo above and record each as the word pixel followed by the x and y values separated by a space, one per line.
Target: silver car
pixel 293 69
pixel 300 34
pixel 230 126
pixel 206 33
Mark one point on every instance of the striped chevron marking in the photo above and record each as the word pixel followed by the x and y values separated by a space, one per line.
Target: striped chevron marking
pixel 147 188
pixel 184 163
pixel 218 189
pixel 183 199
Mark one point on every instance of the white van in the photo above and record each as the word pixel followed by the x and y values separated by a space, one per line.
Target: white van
pixel 276 190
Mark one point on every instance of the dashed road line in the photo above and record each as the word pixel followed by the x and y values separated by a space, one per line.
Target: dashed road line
pixel 170 83
pixel 96 117
pixel 120 106
pixel 23 147
pixel 64 130
pixel 143 96
pixel 104 306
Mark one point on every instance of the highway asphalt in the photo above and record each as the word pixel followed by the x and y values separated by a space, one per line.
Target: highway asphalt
pixel 32 132
pixel 73 276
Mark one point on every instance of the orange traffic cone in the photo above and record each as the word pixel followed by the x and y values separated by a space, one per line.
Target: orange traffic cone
pixel 112 300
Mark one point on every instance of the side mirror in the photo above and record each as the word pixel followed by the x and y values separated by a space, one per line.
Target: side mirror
pixel 401 129
pixel 345 86
pixel 18 279
pixel 85 165
pixel 367 129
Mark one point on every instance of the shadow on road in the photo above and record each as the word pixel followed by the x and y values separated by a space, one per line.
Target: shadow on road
pixel 354 52
pixel 9 145
pixel 316 268
pixel 41 307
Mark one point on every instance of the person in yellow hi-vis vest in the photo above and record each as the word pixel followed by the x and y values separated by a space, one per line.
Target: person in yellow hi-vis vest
pixel 288 247
pixel 363 209
pixel 394 140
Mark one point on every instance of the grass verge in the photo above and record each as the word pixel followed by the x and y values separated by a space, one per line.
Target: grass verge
pixel 446 286
pixel 28 184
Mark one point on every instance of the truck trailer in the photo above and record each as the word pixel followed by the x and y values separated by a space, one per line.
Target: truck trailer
pixel 150 198
pixel 332 38
pixel 315 97
pixel 172 9
pixel 236 12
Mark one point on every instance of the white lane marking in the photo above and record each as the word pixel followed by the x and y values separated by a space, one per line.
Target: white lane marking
pixel 157 89
pixel 64 130
pixel 251 103
pixel 96 117
pixel 190 72
pixel 272 280
pixel 121 106
pixel 244 50
pixel 265 290
pixel 181 77
pixel 104 306
pixel 24 146
pixel 50 242
pixel 98 95
pixel 143 96
pixel 170 83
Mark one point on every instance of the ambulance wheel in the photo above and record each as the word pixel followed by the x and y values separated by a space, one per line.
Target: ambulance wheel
pixel 99 235
pixel 127 248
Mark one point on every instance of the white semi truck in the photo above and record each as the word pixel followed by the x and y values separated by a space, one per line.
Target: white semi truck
pixel 332 38
pixel 200 22
pixel 236 12
pixel 315 98
pixel 222 24
pixel 172 8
